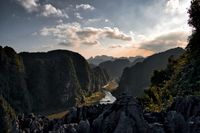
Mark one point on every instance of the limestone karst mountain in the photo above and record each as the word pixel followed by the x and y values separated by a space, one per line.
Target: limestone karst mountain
pixel 43 82
pixel 137 78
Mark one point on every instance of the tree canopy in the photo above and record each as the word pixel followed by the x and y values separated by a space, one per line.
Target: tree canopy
pixel 194 14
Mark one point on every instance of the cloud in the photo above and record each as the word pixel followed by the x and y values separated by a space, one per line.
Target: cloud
pixel 115 46
pixel 46 10
pixel 29 5
pixel 85 7
pixel 74 34
pixel 94 20
pixel 50 10
pixel 172 6
pixel 78 15
pixel 166 41
pixel 106 20
pixel 64 43
pixel 59 21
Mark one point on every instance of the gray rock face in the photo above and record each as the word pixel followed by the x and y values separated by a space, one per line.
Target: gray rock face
pixel 194 124
pixel 123 116
pixel 174 122
pixel 156 128
pixel 182 117
pixel 187 106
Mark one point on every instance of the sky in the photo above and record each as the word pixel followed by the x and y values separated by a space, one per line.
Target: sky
pixel 95 27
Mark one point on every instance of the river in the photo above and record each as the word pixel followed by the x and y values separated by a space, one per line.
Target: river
pixel 108 99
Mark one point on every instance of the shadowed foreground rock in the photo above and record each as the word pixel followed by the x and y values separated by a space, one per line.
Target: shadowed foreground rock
pixel 123 116
pixel 182 117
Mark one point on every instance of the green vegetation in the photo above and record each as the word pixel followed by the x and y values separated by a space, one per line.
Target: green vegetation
pixel 182 76
pixel 111 86
pixel 57 115
pixel 91 99
pixel 7 115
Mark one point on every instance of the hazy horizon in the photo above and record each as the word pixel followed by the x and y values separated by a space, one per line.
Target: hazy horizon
pixel 91 27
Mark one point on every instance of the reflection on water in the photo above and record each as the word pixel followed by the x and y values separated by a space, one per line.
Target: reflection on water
pixel 108 99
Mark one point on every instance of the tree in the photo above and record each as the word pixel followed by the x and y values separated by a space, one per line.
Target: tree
pixel 194 21
pixel 194 14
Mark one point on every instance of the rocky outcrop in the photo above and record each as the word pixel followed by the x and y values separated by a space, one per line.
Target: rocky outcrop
pixel 183 116
pixel 124 116
pixel 187 106
pixel 137 78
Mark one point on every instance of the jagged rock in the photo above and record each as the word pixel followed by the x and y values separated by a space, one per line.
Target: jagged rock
pixel 174 122
pixel 154 117
pixel 156 128
pixel 71 128
pixel 83 127
pixel 125 115
pixel 187 106
pixel 194 124
pixel 72 116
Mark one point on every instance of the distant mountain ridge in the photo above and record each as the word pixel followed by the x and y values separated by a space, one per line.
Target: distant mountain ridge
pixel 46 81
pixel 103 58
pixel 99 59
pixel 115 68
pixel 137 78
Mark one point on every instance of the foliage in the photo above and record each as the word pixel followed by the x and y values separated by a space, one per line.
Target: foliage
pixel 194 21
pixel 7 115
pixel 111 86
pixel 91 99
pixel 182 76
pixel 57 115
pixel 194 14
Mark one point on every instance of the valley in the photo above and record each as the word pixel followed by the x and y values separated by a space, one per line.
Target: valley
pixel 146 80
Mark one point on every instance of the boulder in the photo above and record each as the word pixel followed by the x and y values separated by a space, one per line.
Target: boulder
pixel 175 123
pixel 125 115
pixel 187 106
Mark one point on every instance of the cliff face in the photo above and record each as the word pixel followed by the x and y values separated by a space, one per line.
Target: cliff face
pixel 137 78
pixel 43 82
pixel 115 68
pixel 57 79
pixel 12 80
pixel 7 116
